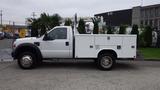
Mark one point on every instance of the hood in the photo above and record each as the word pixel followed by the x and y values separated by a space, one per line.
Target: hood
pixel 26 40
pixel 29 38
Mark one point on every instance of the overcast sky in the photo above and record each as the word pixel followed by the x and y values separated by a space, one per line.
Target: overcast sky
pixel 18 10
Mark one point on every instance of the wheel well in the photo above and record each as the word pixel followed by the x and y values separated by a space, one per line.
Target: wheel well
pixel 27 49
pixel 109 52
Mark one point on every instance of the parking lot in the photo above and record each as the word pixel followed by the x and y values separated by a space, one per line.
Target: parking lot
pixel 79 75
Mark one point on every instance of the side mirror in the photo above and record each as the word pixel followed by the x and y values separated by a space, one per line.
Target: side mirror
pixel 45 38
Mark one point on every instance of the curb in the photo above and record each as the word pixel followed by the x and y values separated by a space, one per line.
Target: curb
pixel 6 60
pixel 147 59
pixel 152 59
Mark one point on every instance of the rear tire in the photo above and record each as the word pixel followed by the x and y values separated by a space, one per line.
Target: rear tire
pixel 27 60
pixel 106 61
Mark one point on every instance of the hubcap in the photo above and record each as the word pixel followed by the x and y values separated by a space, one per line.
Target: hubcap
pixel 106 62
pixel 26 61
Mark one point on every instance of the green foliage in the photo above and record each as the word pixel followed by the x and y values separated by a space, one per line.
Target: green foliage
pixel 54 21
pixel 148 36
pixel 34 28
pixel 95 29
pixel 150 53
pixel 44 23
pixel 122 29
pixel 104 29
pixel 81 27
pixel 109 30
pixel 136 32
pixel 158 39
pixel 142 42
pixel 68 22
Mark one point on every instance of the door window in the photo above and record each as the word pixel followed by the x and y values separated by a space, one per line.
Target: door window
pixel 58 33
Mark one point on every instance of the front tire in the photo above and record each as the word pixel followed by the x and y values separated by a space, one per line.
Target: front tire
pixel 106 61
pixel 27 60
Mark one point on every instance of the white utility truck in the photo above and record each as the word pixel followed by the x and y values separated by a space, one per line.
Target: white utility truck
pixel 60 42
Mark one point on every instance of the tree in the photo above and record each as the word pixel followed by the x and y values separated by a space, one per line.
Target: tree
pixel 81 27
pixel 68 22
pixel 122 29
pixel 136 32
pixel 110 31
pixel 158 39
pixel 135 29
pixel 44 23
pixel 148 36
pixel 34 28
pixel 95 29
pixel 54 20
pixel 142 42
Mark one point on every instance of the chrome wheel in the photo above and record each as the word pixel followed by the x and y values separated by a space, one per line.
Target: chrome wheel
pixel 106 62
pixel 26 61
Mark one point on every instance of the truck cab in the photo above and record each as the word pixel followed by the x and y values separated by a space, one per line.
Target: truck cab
pixel 58 43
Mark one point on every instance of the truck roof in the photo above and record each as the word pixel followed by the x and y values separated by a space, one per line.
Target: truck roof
pixel 63 26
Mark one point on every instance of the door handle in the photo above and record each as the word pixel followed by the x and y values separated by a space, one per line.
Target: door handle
pixel 67 43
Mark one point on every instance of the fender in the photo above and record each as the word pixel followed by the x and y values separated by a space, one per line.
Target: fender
pixel 21 47
pixel 107 51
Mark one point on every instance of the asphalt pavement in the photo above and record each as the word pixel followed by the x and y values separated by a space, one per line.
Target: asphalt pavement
pixel 5 50
pixel 80 75
pixel 6 43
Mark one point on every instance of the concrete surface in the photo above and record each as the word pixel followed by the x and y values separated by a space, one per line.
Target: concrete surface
pixel 79 75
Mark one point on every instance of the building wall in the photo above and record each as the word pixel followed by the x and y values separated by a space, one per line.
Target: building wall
pixel 146 15
pixel 117 18
pixel 136 15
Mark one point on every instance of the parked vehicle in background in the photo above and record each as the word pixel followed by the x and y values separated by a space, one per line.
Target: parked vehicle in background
pixel 1 35
pixel 62 42
pixel 8 35
pixel 16 36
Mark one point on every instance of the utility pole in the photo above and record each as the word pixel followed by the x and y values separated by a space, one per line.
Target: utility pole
pixel 13 28
pixel 33 14
pixel 9 23
pixel 1 16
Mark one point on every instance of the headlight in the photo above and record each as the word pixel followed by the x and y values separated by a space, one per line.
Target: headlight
pixel 13 45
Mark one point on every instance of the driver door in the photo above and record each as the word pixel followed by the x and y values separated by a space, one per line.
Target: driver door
pixel 56 45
